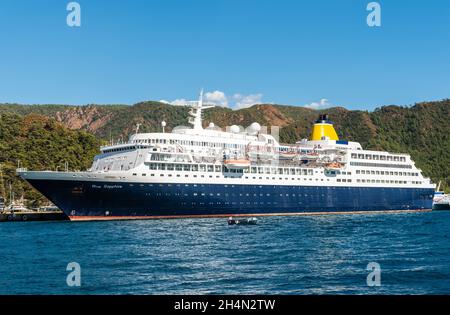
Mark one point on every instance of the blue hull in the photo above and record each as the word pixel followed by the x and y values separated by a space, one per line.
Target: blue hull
pixel 124 200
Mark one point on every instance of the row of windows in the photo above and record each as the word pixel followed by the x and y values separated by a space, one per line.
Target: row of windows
pixel 339 180
pixel 378 157
pixel 382 181
pixel 224 169
pixel 191 143
pixel 380 165
pixel 133 147
pixel 232 203
pixel 367 172
pixel 191 167
pixel 280 170
pixel 232 186
pixel 232 195
pixel 263 170
pixel 231 176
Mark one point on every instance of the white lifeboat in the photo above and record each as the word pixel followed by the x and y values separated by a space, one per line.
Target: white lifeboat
pixel 333 166
pixel 237 164
pixel 309 156
pixel 287 155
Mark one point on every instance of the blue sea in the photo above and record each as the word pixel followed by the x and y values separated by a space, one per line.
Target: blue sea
pixel 280 255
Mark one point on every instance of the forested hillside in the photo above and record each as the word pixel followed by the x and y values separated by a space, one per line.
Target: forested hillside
pixel 38 142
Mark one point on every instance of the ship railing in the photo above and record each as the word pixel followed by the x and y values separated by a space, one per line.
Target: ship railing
pixel 21 169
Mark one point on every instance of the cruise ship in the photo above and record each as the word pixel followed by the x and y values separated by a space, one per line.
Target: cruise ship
pixel 209 172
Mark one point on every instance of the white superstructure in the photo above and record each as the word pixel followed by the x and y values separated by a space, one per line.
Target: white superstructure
pixel 199 154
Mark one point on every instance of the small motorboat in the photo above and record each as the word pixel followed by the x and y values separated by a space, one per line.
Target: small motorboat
pixel 243 221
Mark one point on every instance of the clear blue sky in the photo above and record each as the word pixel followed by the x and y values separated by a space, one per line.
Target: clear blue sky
pixel 290 52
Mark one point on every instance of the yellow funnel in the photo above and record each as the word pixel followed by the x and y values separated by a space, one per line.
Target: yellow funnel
pixel 323 128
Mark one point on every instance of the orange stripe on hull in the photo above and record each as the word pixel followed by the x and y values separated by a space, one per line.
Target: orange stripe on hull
pixel 110 218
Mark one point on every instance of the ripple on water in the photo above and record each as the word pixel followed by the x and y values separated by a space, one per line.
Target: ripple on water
pixel 281 255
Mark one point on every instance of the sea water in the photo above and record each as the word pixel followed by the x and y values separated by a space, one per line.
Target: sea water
pixel 327 254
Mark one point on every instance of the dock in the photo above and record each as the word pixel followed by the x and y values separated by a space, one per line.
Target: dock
pixel 33 216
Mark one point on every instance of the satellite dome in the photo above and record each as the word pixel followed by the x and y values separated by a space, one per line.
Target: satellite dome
pixel 211 125
pixel 254 128
pixel 234 129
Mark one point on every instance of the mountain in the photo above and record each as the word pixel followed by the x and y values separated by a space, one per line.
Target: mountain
pixel 44 136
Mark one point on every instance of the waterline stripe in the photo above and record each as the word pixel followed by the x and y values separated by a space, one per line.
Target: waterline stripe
pixel 111 218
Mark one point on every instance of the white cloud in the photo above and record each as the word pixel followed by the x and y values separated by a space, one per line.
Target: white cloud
pixel 245 101
pixel 323 103
pixel 177 102
pixel 217 97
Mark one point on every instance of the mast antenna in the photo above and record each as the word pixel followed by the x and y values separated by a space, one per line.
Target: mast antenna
pixel 137 127
pixel 196 111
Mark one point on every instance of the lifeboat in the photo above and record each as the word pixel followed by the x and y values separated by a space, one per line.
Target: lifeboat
pixel 333 166
pixel 287 155
pixel 310 156
pixel 237 164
